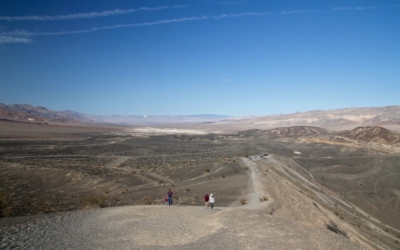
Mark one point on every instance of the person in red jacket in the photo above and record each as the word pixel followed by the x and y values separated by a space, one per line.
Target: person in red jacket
pixel 206 199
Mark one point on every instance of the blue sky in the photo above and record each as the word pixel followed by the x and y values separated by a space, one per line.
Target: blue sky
pixel 230 57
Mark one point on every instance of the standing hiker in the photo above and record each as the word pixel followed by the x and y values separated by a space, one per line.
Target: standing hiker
pixel 170 194
pixel 206 199
pixel 212 200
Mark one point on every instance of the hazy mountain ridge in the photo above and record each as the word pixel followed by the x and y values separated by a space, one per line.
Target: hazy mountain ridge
pixel 338 119
pixel 359 134
pixel 343 119
pixel 29 113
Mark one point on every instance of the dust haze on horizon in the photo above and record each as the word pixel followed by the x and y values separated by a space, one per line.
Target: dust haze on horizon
pixel 235 58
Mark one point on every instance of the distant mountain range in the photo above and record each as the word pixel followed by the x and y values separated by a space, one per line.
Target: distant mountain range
pixel 331 119
pixel 337 119
pixel 29 113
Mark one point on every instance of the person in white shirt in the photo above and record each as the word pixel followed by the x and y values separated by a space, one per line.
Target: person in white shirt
pixel 211 201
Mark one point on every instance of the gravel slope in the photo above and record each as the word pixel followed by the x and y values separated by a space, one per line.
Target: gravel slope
pixel 163 227
pixel 251 226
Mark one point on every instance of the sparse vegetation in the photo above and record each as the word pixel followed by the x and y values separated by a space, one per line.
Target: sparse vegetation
pixel 95 200
pixel 45 207
pixel 264 198
pixel 242 201
pixel 187 189
pixel 146 156
pixel 148 201
pixel 5 208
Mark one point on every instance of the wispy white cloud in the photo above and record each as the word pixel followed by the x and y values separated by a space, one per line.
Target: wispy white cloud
pixel 80 15
pixel 167 21
pixel 355 8
pixel 12 39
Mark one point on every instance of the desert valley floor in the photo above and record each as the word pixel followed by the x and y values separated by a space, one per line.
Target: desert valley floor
pixel 344 184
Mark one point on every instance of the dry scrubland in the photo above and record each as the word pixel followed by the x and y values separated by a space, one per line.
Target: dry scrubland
pixel 325 181
pixel 73 170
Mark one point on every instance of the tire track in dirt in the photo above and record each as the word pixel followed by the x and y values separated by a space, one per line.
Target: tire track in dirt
pixel 376 182
pixel 117 162
pixel 330 199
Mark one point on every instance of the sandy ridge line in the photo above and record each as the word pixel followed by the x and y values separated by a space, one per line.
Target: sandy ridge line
pixel 331 199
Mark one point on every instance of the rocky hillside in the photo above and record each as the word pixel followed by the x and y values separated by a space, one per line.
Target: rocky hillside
pixel 29 113
pixel 338 119
pixel 286 131
pixel 372 134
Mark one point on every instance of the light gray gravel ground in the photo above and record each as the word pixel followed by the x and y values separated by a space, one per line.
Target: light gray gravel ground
pixel 163 227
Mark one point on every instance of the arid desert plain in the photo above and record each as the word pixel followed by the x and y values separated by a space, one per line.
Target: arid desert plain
pixel 103 187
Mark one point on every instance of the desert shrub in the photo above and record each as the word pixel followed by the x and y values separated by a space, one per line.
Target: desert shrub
pixel 148 201
pixel 246 168
pixel 45 207
pixel 95 200
pixel 272 210
pixel 207 170
pixel 5 210
pixel 242 201
pixel 264 198
pixel 222 176
pixel 187 189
